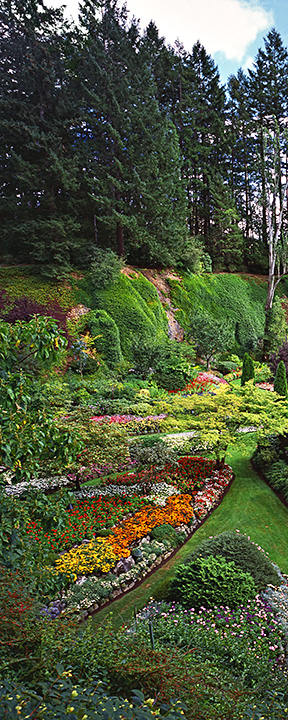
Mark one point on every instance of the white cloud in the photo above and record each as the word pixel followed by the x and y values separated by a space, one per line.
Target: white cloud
pixel 227 26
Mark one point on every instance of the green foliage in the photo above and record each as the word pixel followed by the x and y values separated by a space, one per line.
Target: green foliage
pixel 277 326
pixel 61 697
pixel 102 326
pixel 280 382
pixel 211 581
pixel 248 372
pixel 166 532
pixel 133 316
pixel 222 297
pixel 211 336
pixel 172 368
pixel 244 553
pixel 104 443
pixel 105 268
pixel 277 476
pixel 155 454
pixel 28 436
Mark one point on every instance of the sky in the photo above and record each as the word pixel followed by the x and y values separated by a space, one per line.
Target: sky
pixel 231 31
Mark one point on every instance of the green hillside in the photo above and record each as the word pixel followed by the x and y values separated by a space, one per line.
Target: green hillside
pixel 132 302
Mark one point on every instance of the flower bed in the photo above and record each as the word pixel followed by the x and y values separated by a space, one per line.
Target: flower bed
pixel 100 532
pixel 203 381
pixel 84 519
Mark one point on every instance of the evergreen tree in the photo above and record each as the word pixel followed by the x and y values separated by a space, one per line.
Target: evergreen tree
pixel 38 196
pixel 268 94
pixel 134 169
pixel 280 382
pixel 226 234
pixel 248 372
pixel 241 141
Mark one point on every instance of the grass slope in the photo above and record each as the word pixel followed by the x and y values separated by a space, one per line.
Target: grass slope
pixel 249 506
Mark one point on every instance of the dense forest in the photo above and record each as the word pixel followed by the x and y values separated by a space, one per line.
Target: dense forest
pixel 109 138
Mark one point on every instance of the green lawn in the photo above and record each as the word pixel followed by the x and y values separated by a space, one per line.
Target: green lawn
pixel 249 506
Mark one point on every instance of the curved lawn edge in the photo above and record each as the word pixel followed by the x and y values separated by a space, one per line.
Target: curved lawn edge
pixel 137 583
pixel 250 506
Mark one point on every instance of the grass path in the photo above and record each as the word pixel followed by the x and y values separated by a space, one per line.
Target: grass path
pixel 249 506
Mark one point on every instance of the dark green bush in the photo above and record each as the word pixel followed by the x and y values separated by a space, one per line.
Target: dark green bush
pixel 133 316
pixel 266 453
pixel 105 269
pixel 211 581
pixel 248 372
pixel 223 296
pixel 280 382
pixel 236 547
pixel 102 326
pixel 166 532
pixel 277 476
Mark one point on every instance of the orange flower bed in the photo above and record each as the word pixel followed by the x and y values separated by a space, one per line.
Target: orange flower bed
pixel 177 510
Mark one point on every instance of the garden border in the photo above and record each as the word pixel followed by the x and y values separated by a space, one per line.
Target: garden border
pixel 263 477
pixel 85 613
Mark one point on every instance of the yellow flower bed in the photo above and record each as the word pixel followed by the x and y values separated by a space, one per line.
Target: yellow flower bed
pixel 88 558
pixel 177 510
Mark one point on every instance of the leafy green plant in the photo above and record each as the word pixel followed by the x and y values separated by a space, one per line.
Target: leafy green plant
pixel 211 581
pixel 167 532
pixel 244 553
pixel 105 268
pixel 277 476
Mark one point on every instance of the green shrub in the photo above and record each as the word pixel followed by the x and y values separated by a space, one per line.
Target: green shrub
pixel 157 455
pixel 105 268
pixel 102 326
pixel 247 556
pixel 277 476
pixel 211 581
pixel 166 532
pixel 248 372
pixel 280 382
pixel 223 296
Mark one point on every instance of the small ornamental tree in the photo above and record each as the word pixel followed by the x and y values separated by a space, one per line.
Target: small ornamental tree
pixel 280 382
pixel 248 372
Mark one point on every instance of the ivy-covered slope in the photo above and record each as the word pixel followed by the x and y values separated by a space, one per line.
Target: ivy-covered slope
pixel 225 297
pixel 133 302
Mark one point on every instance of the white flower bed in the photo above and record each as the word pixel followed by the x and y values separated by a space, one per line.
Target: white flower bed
pixel 38 484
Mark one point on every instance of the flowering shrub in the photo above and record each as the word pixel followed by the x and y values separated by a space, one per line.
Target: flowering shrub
pixel 188 475
pixel 248 639
pixel 125 418
pixel 202 382
pixel 95 556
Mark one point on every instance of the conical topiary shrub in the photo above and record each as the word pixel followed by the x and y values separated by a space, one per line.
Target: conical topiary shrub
pixel 248 372
pixel 280 382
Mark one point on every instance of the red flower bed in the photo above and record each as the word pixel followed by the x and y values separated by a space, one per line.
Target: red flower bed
pixel 187 475
pixel 84 519
pixel 202 382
